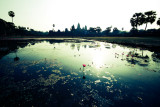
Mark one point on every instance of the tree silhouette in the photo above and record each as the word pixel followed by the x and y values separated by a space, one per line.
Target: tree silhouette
pixel 137 20
pixel 98 29
pixel 93 30
pixel 158 22
pixel 150 17
pixel 3 27
pixel 108 30
pixel 133 22
pixel 115 30
pixel 53 26
pixel 11 14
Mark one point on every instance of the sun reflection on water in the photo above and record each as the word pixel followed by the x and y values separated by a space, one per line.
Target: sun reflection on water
pixel 98 58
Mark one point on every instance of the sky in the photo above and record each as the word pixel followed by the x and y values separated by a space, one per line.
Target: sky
pixel 42 14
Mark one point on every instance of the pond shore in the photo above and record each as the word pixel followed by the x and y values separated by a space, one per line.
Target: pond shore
pixel 152 44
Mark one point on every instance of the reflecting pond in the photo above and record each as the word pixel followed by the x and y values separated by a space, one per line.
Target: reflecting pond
pixel 77 72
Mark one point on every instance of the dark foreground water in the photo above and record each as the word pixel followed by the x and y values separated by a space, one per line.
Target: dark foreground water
pixel 50 73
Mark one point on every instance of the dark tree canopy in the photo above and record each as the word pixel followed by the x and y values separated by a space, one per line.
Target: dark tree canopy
pixel 158 22
pixel 133 22
pixel 150 17
pixel 115 30
pixel 108 30
pixel 92 30
pixel 98 29
pixel 137 20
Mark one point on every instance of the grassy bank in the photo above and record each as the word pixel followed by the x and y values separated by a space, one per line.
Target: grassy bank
pixel 152 44
pixel 129 40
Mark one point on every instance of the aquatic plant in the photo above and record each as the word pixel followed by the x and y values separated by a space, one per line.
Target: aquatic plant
pixel 84 65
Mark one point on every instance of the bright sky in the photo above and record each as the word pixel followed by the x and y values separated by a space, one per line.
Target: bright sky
pixel 42 14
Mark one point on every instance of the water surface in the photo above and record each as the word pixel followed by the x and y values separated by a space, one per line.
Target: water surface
pixel 51 73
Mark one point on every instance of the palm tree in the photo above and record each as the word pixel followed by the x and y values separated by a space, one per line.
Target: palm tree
pixel 150 17
pixel 11 14
pixel 133 22
pixel 137 20
pixel 53 26
pixel 158 22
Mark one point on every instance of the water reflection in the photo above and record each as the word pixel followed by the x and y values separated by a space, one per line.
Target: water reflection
pixel 16 58
pixel 156 57
pixel 51 72
pixel 73 46
pixel 135 58
pixel 98 57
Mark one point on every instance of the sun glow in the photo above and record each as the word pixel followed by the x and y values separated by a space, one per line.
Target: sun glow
pixel 98 58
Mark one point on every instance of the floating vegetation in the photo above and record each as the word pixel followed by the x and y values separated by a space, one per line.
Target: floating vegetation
pixel 52 79
pixel 108 78
pixel 74 73
pixel 38 71
pixel 56 71
pixel 24 71
pixel 97 81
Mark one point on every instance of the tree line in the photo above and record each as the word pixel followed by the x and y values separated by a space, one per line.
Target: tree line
pixel 138 19
pixel 9 29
